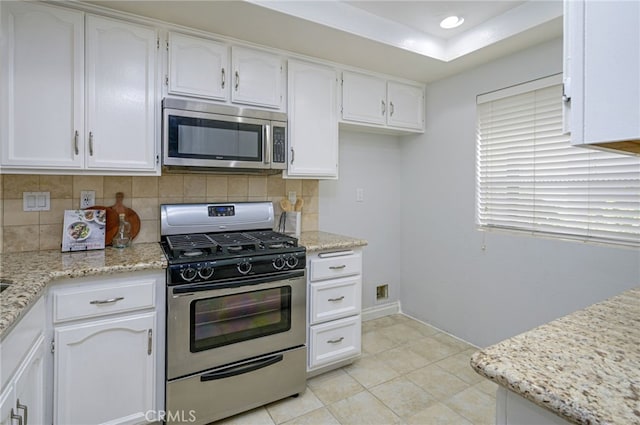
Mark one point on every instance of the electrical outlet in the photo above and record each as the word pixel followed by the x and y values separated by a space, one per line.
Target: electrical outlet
pixel 359 194
pixel 87 198
pixel 292 197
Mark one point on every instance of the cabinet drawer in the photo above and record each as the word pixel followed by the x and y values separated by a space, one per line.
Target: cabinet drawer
pixel 336 298
pixel 94 301
pixel 334 341
pixel 335 266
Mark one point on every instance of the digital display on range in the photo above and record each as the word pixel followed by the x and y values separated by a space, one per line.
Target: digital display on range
pixel 222 211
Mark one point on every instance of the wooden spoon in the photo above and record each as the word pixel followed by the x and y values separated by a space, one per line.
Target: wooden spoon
pixel 285 205
pixel 299 204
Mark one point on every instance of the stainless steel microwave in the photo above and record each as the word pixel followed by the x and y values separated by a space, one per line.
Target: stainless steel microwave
pixel 203 136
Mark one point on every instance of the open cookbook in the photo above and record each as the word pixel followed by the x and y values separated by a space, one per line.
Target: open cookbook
pixel 83 230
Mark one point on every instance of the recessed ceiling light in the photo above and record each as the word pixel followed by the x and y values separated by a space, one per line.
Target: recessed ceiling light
pixel 451 22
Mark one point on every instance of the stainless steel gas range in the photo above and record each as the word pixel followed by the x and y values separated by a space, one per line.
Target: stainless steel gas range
pixel 236 310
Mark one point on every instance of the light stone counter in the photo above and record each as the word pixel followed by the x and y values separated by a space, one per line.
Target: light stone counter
pixel 30 272
pixel 584 367
pixel 323 241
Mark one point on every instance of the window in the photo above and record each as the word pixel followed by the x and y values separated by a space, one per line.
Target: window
pixel 530 178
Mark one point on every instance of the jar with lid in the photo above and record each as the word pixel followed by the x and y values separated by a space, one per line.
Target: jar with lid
pixel 122 239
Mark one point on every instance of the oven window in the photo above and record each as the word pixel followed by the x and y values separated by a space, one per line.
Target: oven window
pixel 239 317
pixel 212 139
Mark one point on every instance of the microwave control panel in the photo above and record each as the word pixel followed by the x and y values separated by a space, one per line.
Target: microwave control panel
pixel 279 145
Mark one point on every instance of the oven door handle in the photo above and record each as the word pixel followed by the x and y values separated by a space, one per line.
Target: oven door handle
pixel 200 287
pixel 244 368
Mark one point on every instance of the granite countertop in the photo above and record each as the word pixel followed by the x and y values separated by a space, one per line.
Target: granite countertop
pixel 323 241
pixel 30 272
pixel 584 367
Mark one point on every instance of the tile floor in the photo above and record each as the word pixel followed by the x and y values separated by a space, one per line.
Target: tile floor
pixel 409 373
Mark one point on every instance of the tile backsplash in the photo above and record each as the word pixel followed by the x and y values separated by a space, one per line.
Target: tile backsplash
pixel 37 230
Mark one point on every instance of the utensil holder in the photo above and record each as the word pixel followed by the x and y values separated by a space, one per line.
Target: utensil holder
pixel 290 223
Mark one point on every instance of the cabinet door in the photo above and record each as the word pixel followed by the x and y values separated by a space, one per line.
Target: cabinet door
pixel 7 405
pixel 364 98
pixel 104 371
pixel 406 105
pixel 257 78
pixel 313 120
pixel 198 67
pixel 42 76
pixel 611 71
pixel 30 385
pixel 121 95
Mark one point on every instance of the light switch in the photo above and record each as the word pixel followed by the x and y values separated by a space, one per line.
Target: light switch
pixel 36 201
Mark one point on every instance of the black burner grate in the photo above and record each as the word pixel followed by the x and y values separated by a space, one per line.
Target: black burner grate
pixel 189 242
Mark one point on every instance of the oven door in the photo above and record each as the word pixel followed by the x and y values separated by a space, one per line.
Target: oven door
pixel 213 324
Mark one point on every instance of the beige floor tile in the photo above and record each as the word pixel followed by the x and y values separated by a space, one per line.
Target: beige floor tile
pixel 488 387
pixel 403 397
pixel 437 414
pixel 402 360
pixel 475 405
pixel 374 342
pixel 432 349
pixel 369 371
pixel 458 364
pixel 334 386
pixel 452 342
pixel 400 333
pixel 258 416
pixel 292 407
pixel 423 328
pixel 437 381
pixel 378 323
pixel 363 408
pixel 320 416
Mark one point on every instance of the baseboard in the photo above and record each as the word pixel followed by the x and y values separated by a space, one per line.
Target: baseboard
pixel 378 311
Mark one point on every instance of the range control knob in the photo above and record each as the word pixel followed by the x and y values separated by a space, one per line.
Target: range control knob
pixel 206 272
pixel 278 263
pixel 244 267
pixel 292 261
pixel 188 274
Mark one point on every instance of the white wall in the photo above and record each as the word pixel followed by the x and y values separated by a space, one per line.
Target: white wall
pixel 518 282
pixel 370 162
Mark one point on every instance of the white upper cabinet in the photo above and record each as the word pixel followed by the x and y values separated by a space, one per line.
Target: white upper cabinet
pixel 406 105
pixel 313 120
pixel 121 95
pixel 364 98
pixel 370 100
pixel 198 67
pixel 257 78
pixel 67 112
pixel 601 73
pixel 42 123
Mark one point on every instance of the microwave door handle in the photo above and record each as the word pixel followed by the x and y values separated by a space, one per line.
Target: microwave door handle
pixel 266 143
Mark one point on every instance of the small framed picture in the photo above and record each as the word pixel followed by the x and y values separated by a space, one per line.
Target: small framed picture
pixel 83 230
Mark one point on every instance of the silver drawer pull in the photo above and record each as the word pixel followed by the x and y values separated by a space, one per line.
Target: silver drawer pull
pixel 16 417
pixel 23 407
pixel 335 341
pixel 109 301
pixel 337 267
pixel 336 299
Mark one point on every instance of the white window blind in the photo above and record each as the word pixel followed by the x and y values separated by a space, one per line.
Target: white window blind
pixel 530 178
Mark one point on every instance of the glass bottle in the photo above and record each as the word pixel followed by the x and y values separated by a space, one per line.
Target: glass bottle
pixel 123 237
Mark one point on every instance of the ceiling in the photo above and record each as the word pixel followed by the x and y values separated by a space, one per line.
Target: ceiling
pixel 399 38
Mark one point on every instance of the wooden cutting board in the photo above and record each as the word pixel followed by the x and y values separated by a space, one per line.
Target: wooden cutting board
pixel 130 215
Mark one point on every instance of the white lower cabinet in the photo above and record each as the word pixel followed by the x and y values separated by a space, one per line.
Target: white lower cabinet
pixel 335 306
pixel 22 399
pixel 106 349
pixel 104 370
